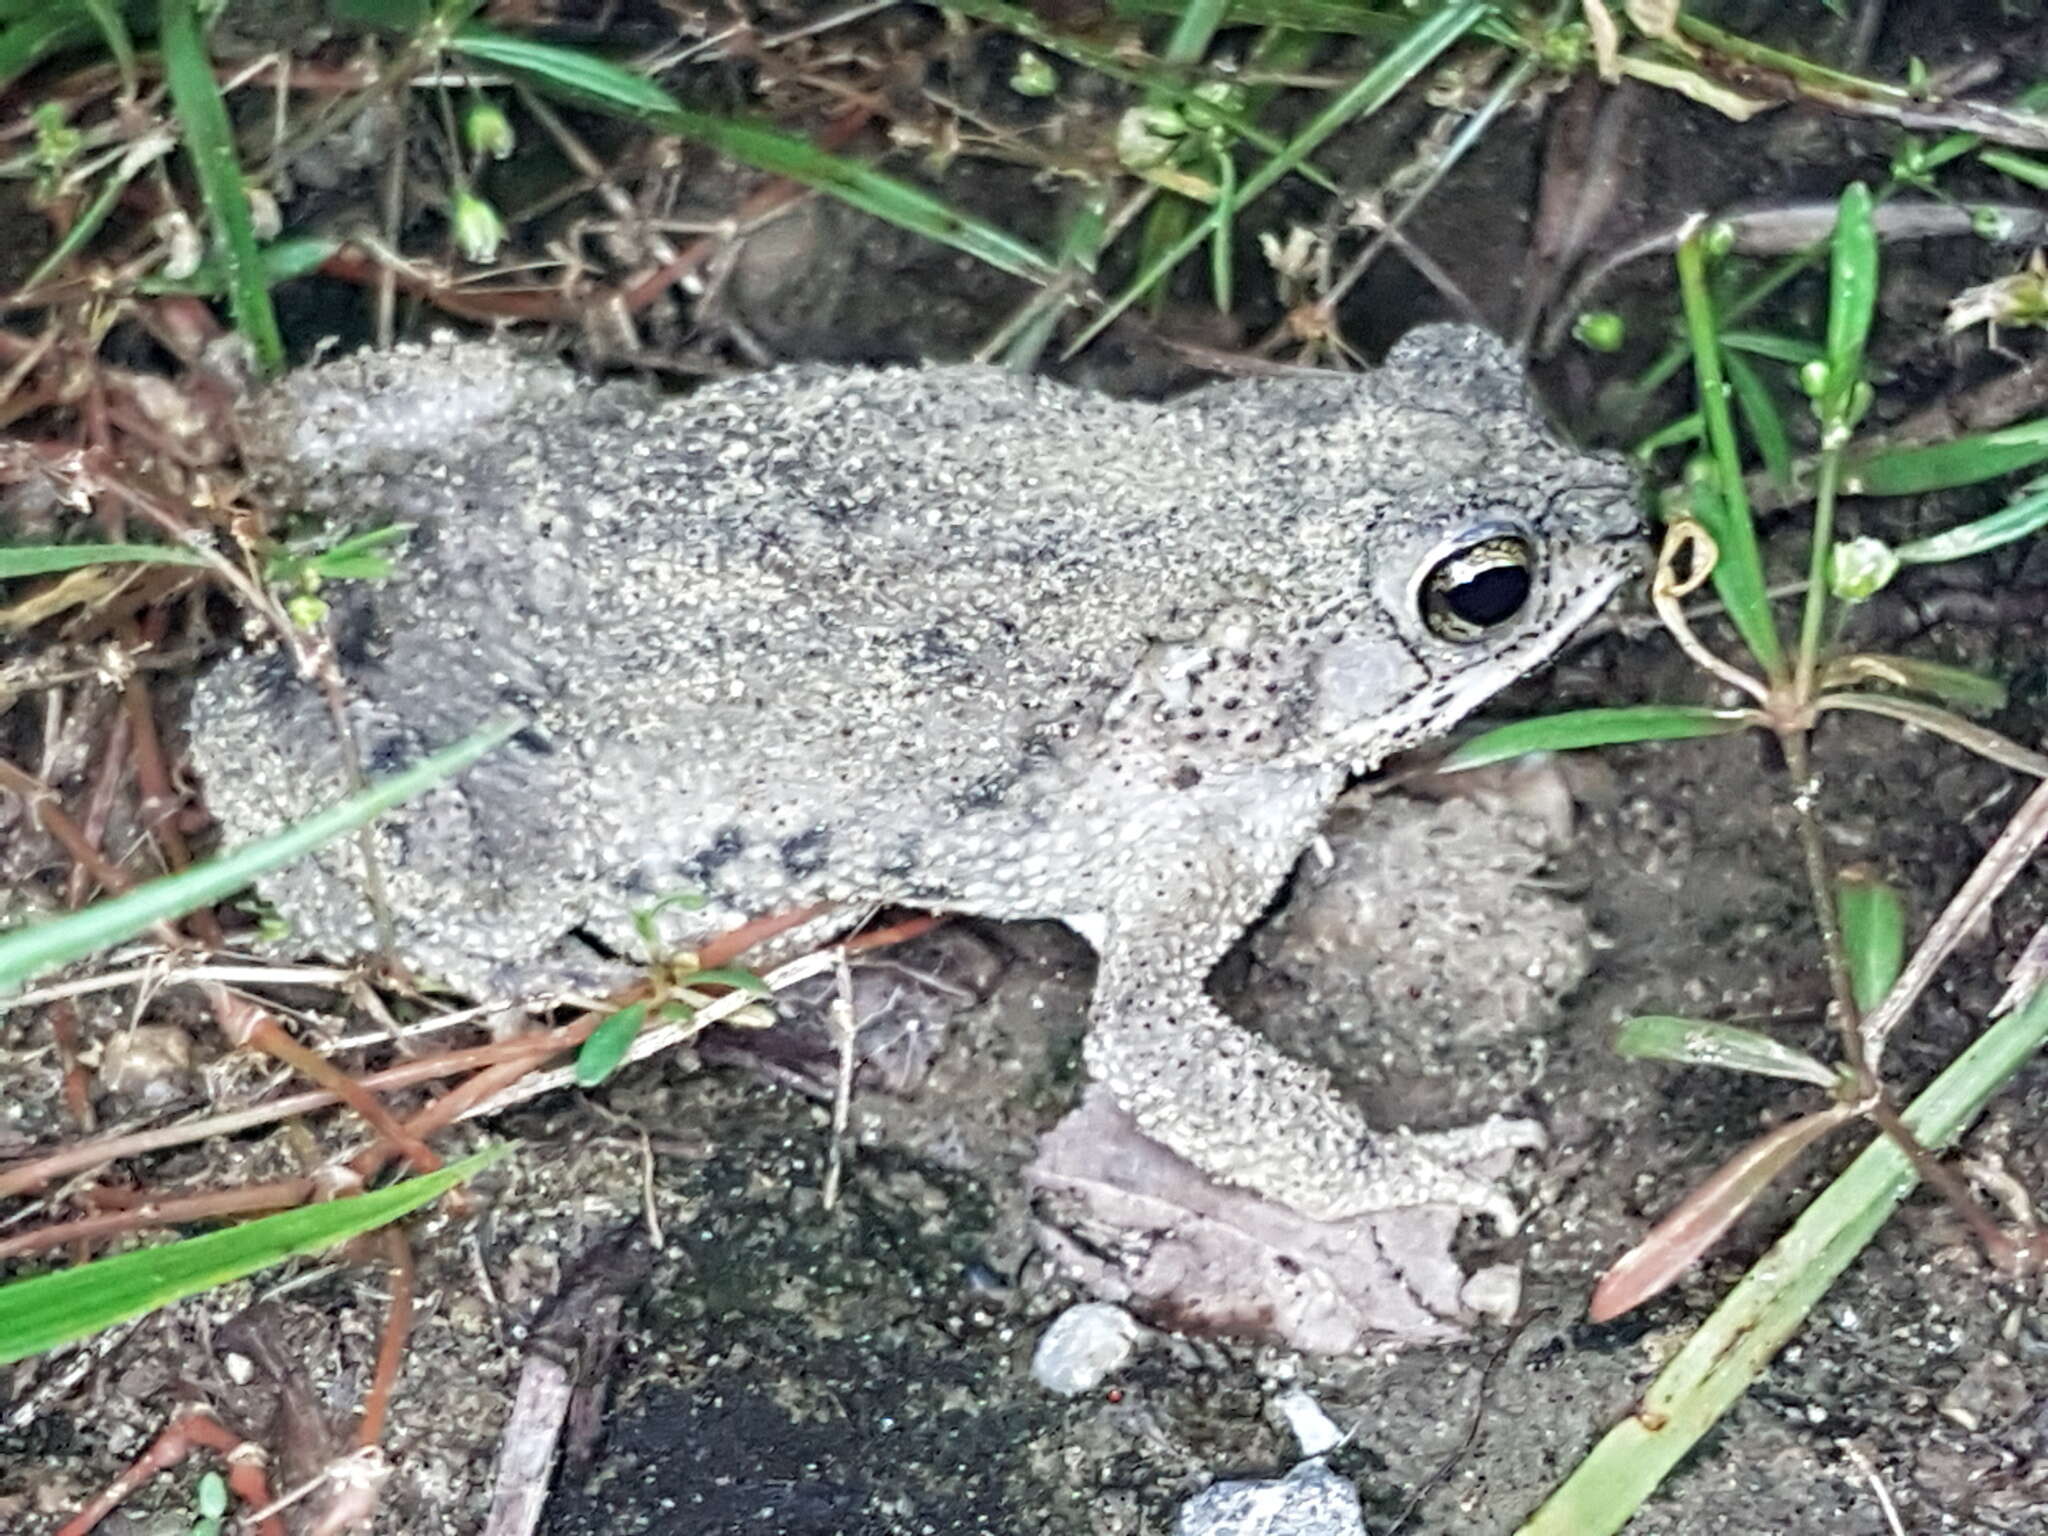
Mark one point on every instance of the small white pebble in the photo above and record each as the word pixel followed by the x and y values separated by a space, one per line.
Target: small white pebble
pixel 1084 1345
pixel 1494 1292
pixel 1304 1418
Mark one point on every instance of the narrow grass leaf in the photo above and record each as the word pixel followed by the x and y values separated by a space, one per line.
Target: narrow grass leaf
pixel 589 81
pixel 1673 434
pixel 1953 685
pixel 1726 1354
pixel 27 42
pixel 738 977
pixel 278 262
pixel 1342 18
pixel 354 558
pixel 45 1311
pixel 1580 728
pixel 1379 85
pixel 1873 918
pixel 1338 18
pixel 1792 350
pixel 210 141
pixel 2022 168
pixel 26 953
pixel 2027 514
pixel 392 15
pixel 1944 466
pixel 1738 573
pixel 16 10
pixel 1693 1226
pixel 1760 418
pixel 1852 302
pixel 145 152
pixel 1982 740
pixel 113 26
pixel 606 1046
pixel 19 560
pixel 575 73
pixel 1703 1043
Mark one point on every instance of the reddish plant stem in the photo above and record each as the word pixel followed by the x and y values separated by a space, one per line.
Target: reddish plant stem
pixel 391 1348
pixel 48 809
pixel 194 1428
pixel 258 1029
pixel 450 1106
pixel 99 804
pixel 278 1195
pixel 77 1080
pixel 27 1177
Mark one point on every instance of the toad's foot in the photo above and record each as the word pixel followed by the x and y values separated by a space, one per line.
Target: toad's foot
pixel 1246 1114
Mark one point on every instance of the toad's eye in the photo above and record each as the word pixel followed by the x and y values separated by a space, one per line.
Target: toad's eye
pixel 1477 588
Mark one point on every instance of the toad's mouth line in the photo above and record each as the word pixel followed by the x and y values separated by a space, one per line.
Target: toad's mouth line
pixel 1432 712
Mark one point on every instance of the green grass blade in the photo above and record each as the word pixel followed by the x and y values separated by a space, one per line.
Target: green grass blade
pixel 586 80
pixel 1760 417
pixel 1952 685
pixel 1686 429
pixel 1337 18
pixel 27 952
pixel 87 224
pixel 27 42
pixel 1738 573
pixel 2022 168
pixel 1340 18
pixel 1945 466
pixel 113 26
pixel 738 977
pixel 210 141
pixel 1400 65
pixel 279 262
pixel 48 1310
pixel 19 10
pixel 1840 397
pixel 573 73
pixel 1733 1347
pixel 1580 728
pixel 1704 1043
pixel 1873 918
pixel 21 560
pixel 1852 305
pixel 2027 514
pixel 1779 349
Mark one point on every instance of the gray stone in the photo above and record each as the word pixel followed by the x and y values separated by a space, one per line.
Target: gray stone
pixel 1309 1501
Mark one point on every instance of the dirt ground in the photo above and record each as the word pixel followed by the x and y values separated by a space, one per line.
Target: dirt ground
pixel 863 1370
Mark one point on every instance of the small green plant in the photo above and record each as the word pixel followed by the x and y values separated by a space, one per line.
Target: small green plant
pixel 210 1499
pixel 1790 686
pixel 670 977
pixel 301 573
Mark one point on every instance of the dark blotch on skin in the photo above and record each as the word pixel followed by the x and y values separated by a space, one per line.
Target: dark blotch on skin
pixel 807 852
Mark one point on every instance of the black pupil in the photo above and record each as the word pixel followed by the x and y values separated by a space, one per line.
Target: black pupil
pixel 1490 596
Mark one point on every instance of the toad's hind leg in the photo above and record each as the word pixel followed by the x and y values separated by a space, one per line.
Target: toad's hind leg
pixel 1225 1099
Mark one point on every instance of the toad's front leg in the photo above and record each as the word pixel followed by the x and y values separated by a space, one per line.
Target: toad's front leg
pixel 1227 1100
